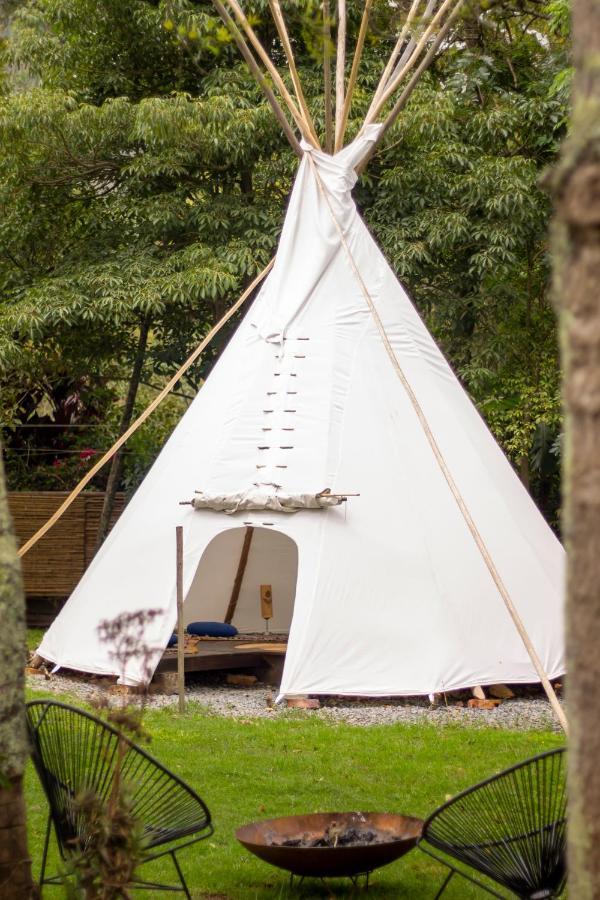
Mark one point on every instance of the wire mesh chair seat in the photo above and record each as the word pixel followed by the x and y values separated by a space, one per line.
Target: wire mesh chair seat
pixel 76 754
pixel 510 827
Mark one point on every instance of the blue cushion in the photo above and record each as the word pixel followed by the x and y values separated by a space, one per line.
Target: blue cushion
pixel 212 629
pixel 172 640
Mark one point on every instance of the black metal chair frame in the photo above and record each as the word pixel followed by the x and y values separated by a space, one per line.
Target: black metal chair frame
pixel 175 838
pixel 428 839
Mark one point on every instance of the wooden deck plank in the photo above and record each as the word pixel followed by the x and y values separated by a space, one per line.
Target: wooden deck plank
pixel 214 655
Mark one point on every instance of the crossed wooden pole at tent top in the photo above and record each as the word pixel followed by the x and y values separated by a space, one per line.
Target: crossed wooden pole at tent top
pixel 421 37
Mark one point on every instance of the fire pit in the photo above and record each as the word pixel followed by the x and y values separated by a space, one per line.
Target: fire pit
pixel 330 845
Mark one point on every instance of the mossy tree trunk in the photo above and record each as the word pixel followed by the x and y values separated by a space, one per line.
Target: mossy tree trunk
pixel 15 865
pixel 576 187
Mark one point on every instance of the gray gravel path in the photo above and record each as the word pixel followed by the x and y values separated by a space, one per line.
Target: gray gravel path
pixel 523 713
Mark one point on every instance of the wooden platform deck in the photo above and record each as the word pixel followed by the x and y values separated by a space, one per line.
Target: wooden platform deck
pixel 214 655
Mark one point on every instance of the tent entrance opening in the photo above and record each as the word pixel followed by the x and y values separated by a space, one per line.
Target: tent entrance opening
pixel 246 576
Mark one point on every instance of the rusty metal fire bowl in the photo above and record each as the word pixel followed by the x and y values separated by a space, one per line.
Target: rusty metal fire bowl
pixel 289 842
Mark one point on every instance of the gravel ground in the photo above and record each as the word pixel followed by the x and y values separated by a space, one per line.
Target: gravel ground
pixel 528 712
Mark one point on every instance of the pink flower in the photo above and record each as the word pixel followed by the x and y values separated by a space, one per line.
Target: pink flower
pixel 87 453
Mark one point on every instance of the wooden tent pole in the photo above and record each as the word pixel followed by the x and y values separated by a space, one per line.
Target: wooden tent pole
pixel 239 575
pixel 405 95
pixel 327 76
pixel 289 53
pixel 395 81
pixel 394 54
pixel 256 71
pixel 454 489
pixel 147 412
pixel 411 43
pixel 270 67
pixel 180 634
pixel 340 68
pixel 362 34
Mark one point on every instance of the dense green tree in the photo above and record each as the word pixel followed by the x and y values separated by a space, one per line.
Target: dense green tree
pixel 144 179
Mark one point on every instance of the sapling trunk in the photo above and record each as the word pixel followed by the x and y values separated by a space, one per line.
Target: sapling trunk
pixel 116 468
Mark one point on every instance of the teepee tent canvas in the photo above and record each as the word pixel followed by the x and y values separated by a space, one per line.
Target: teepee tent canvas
pixel 333 382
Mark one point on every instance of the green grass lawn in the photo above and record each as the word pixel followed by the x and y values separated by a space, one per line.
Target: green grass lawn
pixel 250 769
pixel 34 637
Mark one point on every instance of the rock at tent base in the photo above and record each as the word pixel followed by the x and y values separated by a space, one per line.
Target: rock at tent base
pixel 164 683
pixel 36 661
pixel 478 692
pixel 36 670
pixel 475 703
pixel 500 692
pixel 302 703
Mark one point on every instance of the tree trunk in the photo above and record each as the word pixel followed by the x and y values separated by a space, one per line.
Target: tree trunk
pixel 524 473
pixel 116 467
pixel 15 865
pixel 576 186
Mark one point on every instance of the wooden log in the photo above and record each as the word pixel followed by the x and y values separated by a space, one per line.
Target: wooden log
pixel 289 53
pixel 180 632
pixel 395 81
pixel 270 67
pixel 389 68
pixel 258 74
pixel 355 66
pixel 327 77
pixel 239 575
pixel 406 93
pixel 340 67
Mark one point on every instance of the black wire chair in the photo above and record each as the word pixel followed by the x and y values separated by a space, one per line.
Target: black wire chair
pixel 511 827
pixel 76 753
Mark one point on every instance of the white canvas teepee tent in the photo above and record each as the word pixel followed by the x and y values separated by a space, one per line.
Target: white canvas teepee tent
pixel 333 382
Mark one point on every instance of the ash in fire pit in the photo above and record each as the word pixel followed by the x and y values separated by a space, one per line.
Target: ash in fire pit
pixel 336 836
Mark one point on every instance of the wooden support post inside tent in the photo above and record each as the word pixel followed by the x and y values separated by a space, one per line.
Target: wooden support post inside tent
pixel 180 632
pixel 329 136
pixel 39 534
pixel 340 69
pixel 239 575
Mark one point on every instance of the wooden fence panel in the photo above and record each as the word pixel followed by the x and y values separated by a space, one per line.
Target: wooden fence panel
pixel 54 566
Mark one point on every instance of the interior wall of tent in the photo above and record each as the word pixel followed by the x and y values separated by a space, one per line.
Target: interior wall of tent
pixel 272 559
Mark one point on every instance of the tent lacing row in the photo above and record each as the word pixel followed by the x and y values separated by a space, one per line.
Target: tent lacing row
pixel 537 663
pixel 147 412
